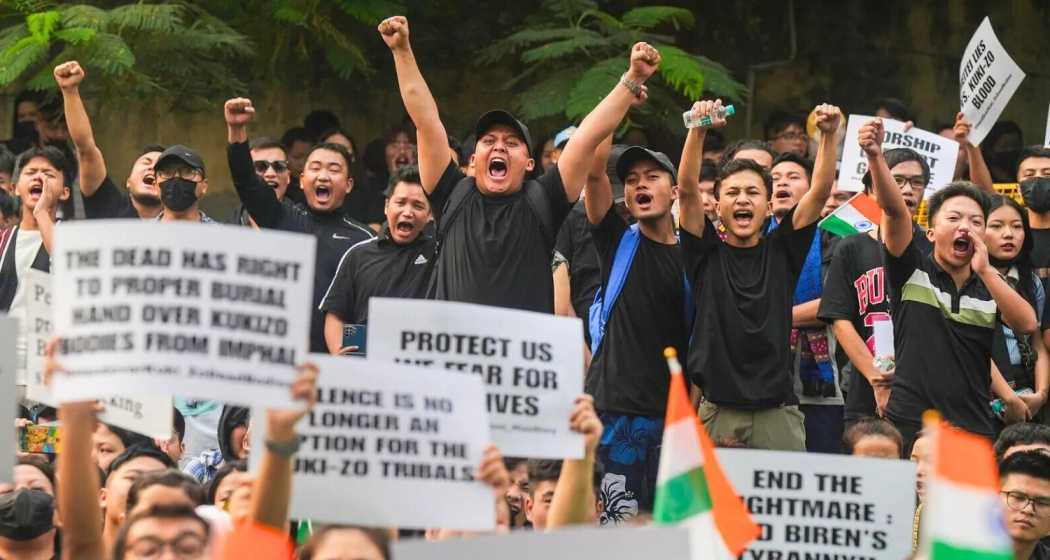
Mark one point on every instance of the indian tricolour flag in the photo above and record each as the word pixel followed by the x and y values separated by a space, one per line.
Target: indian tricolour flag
pixel 691 489
pixel 963 516
pixel 857 215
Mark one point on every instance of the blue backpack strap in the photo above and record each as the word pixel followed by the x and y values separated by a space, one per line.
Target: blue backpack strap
pixel 606 296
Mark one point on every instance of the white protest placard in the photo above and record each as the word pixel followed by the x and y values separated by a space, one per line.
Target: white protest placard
pixel 532 364
pixel 1046 141
pixel 8 363
pixel 628 543
pixel 883 333
pixel 939 152
pixel 824 505
pixel 198 310
pixel 150 415
pixel 988 78
pixel 378 440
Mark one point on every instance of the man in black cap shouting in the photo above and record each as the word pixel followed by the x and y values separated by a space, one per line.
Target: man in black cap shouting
pixel 643 306
pixel 497 229
pixel 180 172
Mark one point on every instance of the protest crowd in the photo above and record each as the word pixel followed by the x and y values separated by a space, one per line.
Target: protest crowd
pixel 811 313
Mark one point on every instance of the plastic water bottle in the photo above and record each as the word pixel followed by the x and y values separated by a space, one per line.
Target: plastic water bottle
pixel 705 121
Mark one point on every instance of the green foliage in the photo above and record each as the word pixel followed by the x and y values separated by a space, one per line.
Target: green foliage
pixel 573 46
pixel 179 40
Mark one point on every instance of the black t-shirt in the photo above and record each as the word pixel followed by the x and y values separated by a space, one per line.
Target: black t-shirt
pixel 576 245
pixel 109 202
pixel 629 374
pixel 496 250
pixel 1041 255
pixel 855 290
pixel 943 342
pixel 740 355
pixel 378 268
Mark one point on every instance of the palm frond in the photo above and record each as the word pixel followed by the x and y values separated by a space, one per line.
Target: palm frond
pixel 649 17
pixel 160 18
pixel 370 11
pixel 83 15
pixel 593 86
pixel 558 49
pixel 41 24
pixel 18 58
pixel 719 80
pixel 681 71
pixel 547 97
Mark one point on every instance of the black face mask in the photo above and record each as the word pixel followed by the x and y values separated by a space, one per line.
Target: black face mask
pixel 178 194
pixel 26 130
pixel 1036 194
pixel 26 514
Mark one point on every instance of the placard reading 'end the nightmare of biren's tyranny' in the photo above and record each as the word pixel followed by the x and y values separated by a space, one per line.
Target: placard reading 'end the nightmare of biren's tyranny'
pixel 195 310
pixel 829 506
pixel 532 364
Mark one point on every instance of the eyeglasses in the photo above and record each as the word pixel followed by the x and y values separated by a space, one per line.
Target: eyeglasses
pixel 187 546
pixel 187 173
pixel 917 181
pixel 1018 501
pixel 790 136
pixel 261 165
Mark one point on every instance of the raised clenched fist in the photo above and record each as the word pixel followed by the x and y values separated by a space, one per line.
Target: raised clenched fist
pixel 870 137
pixel 394 31
pixel 828 118
pixel 645 61
pixel 69 75
pixel 239 112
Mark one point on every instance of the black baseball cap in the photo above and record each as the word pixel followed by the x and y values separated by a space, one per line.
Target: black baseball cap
pixel 634 154
pixel 492 118
pixel 181 153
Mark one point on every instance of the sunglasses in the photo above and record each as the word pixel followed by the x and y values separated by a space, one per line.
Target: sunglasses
pixel 261 165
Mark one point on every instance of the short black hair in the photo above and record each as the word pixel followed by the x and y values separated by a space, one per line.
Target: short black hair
pixel 895 157
pixel 10 205
pixel 266 143
pixel 511 463
pixel 377 536
pixel 225 470
pixel 1028 433
pixel 41 465
pixel 319 121
pixel 7 160
pixel 127 437
pixel 150 148
pixel 171 478
pixel 136 451
pixel 730 152
pixel 1035 151
pixel 1028 463
pixel 179 423
pixel 714 140
pixel 391 134
pixel 332 132
pixel 955 189
pixel 740 165
pixel 159 512
pixel 404 174
pixel 708 171
pixel 466 149
pixel 791 157
pixel 454 145
pixel 53 155
pixel 296 134
pixel 549 470
pixel 543 470
pixel 896 108
pixel 779 120
pixel 864 427
pixel 337 148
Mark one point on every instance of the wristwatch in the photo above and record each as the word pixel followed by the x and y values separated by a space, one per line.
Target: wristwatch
pixel 283 448
pixel 634 87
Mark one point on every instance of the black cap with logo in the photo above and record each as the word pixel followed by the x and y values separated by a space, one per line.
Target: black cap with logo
pixel 180 153
pixel 492 118
pixel 634 154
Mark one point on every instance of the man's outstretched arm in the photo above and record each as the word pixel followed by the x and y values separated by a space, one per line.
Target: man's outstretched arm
pixel 603 120
pixel 812 203
pixel 92 164
pixel 431 138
